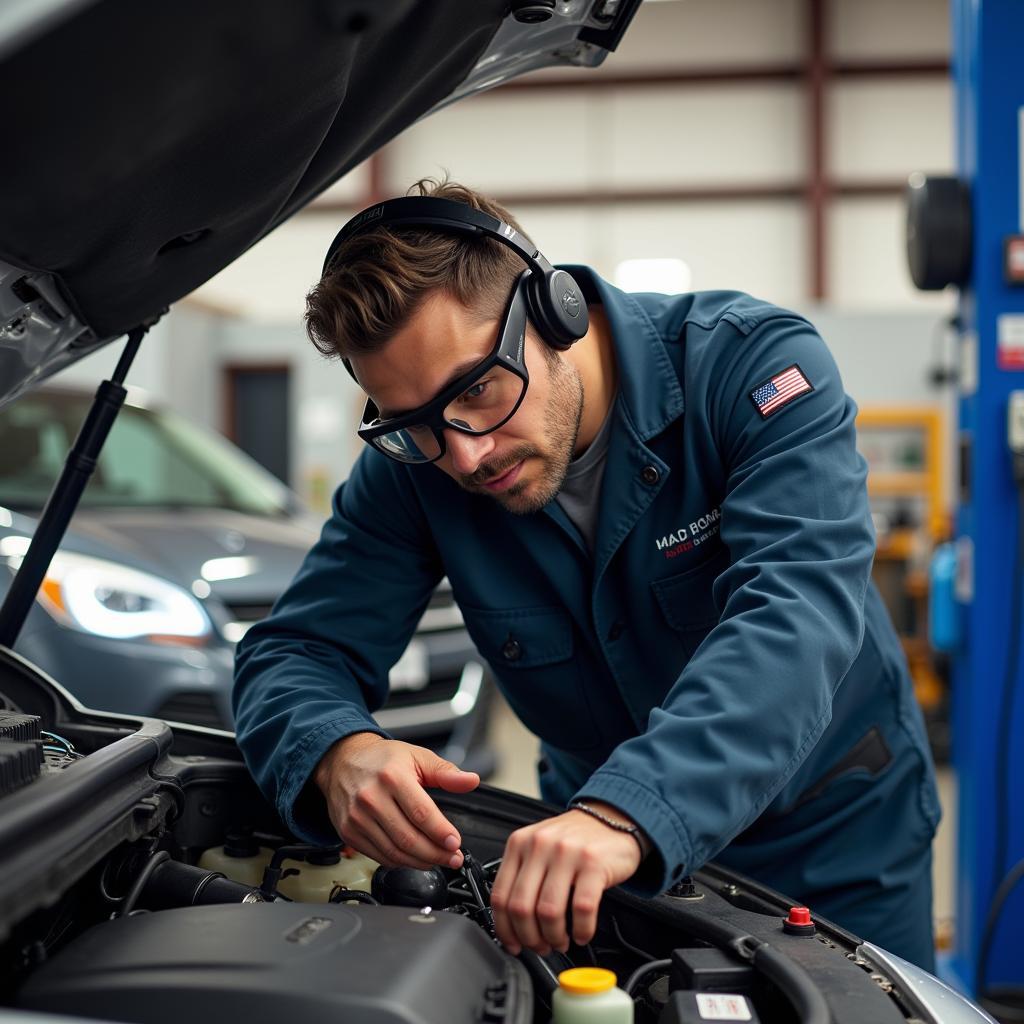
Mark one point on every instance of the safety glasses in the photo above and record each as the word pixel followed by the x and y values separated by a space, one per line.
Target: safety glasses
pixel 477 402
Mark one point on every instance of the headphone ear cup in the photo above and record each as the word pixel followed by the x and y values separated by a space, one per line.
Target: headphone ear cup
pixel 558 308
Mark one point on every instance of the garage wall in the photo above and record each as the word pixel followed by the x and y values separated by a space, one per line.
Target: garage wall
pixel 610 165
pixel 612 132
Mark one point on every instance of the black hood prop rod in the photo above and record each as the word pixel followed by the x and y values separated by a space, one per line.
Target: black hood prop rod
pixel 64 498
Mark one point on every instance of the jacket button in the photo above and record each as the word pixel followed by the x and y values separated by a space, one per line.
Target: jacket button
pixel 616 631
pixel 512 650
pixel 650 474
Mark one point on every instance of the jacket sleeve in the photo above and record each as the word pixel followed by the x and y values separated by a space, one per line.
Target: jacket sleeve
pixel 312 672
pixel 757 694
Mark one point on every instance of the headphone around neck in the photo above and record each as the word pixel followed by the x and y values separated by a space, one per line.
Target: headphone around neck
pixel 554 301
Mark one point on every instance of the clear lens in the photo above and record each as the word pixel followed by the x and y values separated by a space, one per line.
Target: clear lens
pixel 483 406
pixel 414 444
pixel 487 402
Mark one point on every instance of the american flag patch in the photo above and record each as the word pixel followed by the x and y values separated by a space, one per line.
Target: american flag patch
pixel 773 394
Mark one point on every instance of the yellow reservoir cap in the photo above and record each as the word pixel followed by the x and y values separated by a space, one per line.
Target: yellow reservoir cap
pixel 587 981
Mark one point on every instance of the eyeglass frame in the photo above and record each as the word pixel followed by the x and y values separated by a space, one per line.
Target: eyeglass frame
pixel 509 352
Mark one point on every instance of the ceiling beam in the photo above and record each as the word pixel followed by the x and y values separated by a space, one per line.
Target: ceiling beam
pixel 737 192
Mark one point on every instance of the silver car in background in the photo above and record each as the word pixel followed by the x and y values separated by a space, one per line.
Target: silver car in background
pixel 180 543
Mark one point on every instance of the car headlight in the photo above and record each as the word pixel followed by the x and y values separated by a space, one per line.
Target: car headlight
pixel 111 600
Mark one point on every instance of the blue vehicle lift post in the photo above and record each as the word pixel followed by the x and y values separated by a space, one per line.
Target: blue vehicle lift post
pixel 988 692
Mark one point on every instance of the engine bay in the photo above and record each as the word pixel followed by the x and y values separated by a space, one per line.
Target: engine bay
pixel 144 878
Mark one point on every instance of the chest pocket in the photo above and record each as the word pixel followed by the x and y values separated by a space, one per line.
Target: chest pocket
pixel 687 603
pixel 531 653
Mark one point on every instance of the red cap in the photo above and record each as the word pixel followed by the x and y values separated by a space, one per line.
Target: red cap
pixel 800 916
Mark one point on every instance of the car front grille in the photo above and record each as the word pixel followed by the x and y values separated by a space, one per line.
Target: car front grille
pixel 193 708
pixel 250 612
pixel 436 690
pixel 441 615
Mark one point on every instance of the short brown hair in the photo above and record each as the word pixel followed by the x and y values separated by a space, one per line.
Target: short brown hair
pixel 379 278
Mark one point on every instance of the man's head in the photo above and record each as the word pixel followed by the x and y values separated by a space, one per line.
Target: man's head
pixel 410 309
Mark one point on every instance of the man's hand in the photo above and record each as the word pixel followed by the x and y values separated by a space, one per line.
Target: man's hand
pixel 571 853
pixel 375 798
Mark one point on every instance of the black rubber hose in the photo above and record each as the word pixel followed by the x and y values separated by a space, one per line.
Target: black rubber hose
pixel 140 883
pixel 273 872
pixel 808 1002
pixel 642 971
pixel 340 895
pixel 543 977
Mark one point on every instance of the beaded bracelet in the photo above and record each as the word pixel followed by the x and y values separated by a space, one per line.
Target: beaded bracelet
pixel 619 826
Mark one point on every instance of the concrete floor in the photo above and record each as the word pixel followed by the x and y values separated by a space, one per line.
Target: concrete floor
pixel 517 755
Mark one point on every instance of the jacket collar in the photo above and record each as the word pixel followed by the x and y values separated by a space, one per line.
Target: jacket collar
pixel 648 383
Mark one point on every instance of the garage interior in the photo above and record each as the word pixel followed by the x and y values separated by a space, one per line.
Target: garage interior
pixel 764 146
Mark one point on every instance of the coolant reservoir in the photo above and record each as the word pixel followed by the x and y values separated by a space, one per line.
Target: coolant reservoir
pixel 588 995
pixel 241 858
pixel 321 872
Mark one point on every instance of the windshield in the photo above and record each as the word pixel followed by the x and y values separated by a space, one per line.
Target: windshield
pixel 152 458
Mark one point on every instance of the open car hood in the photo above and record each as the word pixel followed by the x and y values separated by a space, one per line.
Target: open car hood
pixel 152 144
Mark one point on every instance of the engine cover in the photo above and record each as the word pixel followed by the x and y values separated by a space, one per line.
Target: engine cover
pixel 267 963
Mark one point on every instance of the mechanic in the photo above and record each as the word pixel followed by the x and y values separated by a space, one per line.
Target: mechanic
pixel 655 523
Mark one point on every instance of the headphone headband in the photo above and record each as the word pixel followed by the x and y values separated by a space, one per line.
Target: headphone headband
pixel 446 214
pixel 554 301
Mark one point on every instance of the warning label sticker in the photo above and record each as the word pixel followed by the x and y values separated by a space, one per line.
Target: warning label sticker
pixel 1010 342
pixel 722 1006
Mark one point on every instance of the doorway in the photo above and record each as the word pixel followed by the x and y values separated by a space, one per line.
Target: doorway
pixel 258 414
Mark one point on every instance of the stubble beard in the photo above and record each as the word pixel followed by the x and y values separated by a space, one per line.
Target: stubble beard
pixel 562 416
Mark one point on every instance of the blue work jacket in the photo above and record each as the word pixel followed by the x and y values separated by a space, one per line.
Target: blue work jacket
pixel 720 666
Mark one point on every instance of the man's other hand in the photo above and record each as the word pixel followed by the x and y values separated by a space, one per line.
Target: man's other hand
pixel 571 857
pixel 375 795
